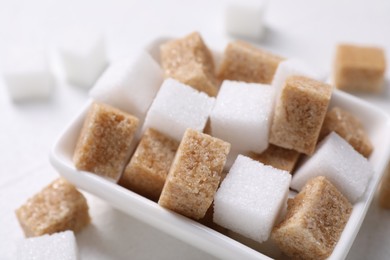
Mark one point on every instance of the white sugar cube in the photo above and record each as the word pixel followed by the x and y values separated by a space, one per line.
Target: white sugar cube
pixel 245 18
pixel 59 246
pixel 27 74
pixel 250 198
pixel 342 165
pixel 130 84
pixel 242 115
pixel 178 107
pixel 84 57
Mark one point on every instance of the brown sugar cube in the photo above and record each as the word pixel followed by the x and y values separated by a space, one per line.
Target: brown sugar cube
pixel 189 61
pixel 314 222
pixel 58 207
pixel 299 114
pixel 244 62
pixel 278 157
pixel 104 145
pixel 348 127
pixel 359 68
pixel 149 166
pixel 194 175
pixel 384 191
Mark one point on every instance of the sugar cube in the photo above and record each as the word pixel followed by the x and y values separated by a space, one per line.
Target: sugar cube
pixel 314 222
pixel 299 114
pixel 250 198
pixel 342 165
pixel 58 207
pixel 83 56
pixel 384 191
pixel 245 18
pixel 178 107
pixel 194 175
pixel 104 144
pixel 189 61
pixel 359 68
pixel 149 165
pixel 348 127
pixel 130 84
pixel 242 115
pixel 59 246
pixel 244 62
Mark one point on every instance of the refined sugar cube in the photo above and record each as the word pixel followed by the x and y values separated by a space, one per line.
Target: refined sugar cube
pixel 359 68
pixel 245 18
pixel 250 198
pixel 104 144
pixel 342 165
pixel 384 191
pixel 58 207
pixel 27 74
pixel 314 222
pixel 194 175
pixel 178 107
pixel 83 55
pixel 277 157
pixel 59 246
pixel 189 61
pixel 348 127
pixel 244 62
pixel 150 164
pixel 242 115
pixel 130 84
pixel 299 114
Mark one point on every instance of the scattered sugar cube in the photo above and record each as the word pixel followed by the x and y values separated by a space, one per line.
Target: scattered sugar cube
pixel 277 157
pixel 244 62
pixel 58 207
pixel 314 222
pixel 348 127
pixel 27 74
pixel 359 68
pixel 59 246
pixel 189 61
pixel 130 84
pixel 245 18
pixel 250 198
pixel 104 144
pixel 178 107
pixel 384 191
pixel 149 166
pixel 194 175
pixel 299 114
pixel 84 57
pixel 342 165
pixel 242 115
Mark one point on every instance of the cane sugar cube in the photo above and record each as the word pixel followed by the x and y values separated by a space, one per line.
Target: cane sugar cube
pixel 84 57
pixel 59 246
pixel 299 114
pixel 189 61
pixel 244 62
pixel 130 84
pixel 104 144
pixel 149 166
pixel 58 207
pixel 250 198
pixel 342 165
pixel 359 68
pixel 178 107
pixel 195 174
pixel 314 222
pixel 384 191
pixel 242 115
pixel 277 157
pixel 27 74
pixel 348 127
pixel 245 18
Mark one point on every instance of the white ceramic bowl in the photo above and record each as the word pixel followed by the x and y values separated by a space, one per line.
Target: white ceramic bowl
pixel 375 121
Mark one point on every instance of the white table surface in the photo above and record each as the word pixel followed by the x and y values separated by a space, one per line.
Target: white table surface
pixel 303 29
